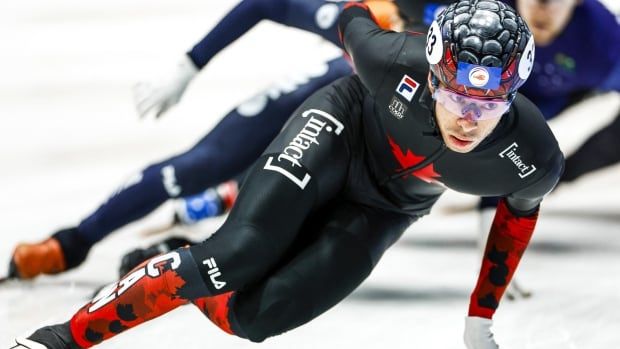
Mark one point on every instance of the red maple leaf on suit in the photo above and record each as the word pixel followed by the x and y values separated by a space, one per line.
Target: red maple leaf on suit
pixel 409 159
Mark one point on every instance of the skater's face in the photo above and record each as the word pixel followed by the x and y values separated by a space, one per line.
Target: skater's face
pixel 546 18
pixel 464 131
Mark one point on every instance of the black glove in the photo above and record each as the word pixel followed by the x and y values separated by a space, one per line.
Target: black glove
pixel 137 256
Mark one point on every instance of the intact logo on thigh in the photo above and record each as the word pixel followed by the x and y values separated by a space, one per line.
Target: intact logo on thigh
pixel 287 163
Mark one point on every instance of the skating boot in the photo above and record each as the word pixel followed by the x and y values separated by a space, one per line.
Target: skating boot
pixel 48 337
pixel 62 251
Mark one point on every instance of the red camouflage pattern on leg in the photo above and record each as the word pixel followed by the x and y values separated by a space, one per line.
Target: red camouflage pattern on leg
pixel 217 309
pixel 137 298
pixel 507 242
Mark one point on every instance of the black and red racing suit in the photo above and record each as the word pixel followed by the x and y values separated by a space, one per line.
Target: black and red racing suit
pixel 356 164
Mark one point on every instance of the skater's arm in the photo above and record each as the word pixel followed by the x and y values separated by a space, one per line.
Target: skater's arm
pixel 372 49
pixel 237 22
pixel 511 231
pixel 509 237
pixel 315 16
pixel 248 13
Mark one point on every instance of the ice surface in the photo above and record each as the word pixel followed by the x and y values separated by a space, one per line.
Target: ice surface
pixel 69 136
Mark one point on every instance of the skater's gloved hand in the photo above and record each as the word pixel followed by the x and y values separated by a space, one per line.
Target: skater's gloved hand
pixel 157 96
pixel 134 258
pixel 137 256
pixel 478 333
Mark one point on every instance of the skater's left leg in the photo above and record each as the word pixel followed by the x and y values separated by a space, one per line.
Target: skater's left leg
pixel 325 269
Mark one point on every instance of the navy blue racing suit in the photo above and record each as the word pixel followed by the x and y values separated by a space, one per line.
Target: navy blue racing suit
pixel 245 131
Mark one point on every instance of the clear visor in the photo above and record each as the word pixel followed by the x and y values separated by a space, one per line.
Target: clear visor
pixel 470 107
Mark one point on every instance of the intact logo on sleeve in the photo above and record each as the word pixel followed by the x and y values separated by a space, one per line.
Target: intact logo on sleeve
pixel 511 154
pixel 407 87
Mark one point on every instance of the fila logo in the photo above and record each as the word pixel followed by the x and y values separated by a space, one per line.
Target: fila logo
pixel 407 87
pixel 214 272
pixel 511 154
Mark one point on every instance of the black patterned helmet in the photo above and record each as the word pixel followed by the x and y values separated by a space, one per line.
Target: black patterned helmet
pixel 482 48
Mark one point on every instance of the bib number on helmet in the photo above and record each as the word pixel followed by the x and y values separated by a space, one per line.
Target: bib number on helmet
pixel 527 61
pixel 434 44
pixel 431 40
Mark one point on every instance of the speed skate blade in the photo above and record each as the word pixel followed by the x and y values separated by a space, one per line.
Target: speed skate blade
pixel 22 343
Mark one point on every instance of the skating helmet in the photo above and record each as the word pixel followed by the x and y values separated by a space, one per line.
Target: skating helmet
pixel 481 48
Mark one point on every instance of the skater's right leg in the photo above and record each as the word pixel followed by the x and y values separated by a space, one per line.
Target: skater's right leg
pixel 239 253
pixel 292 179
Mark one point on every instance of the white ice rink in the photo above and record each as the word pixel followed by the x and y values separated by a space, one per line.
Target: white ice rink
pixel 69 136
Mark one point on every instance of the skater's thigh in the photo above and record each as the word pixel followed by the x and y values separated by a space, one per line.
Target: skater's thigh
pixel 306 166
pixel 346 248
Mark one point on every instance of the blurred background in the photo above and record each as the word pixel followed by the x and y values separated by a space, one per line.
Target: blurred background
pixel 69 135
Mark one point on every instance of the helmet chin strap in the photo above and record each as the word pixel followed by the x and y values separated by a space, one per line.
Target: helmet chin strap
pixel 434 81
pixel 512 96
